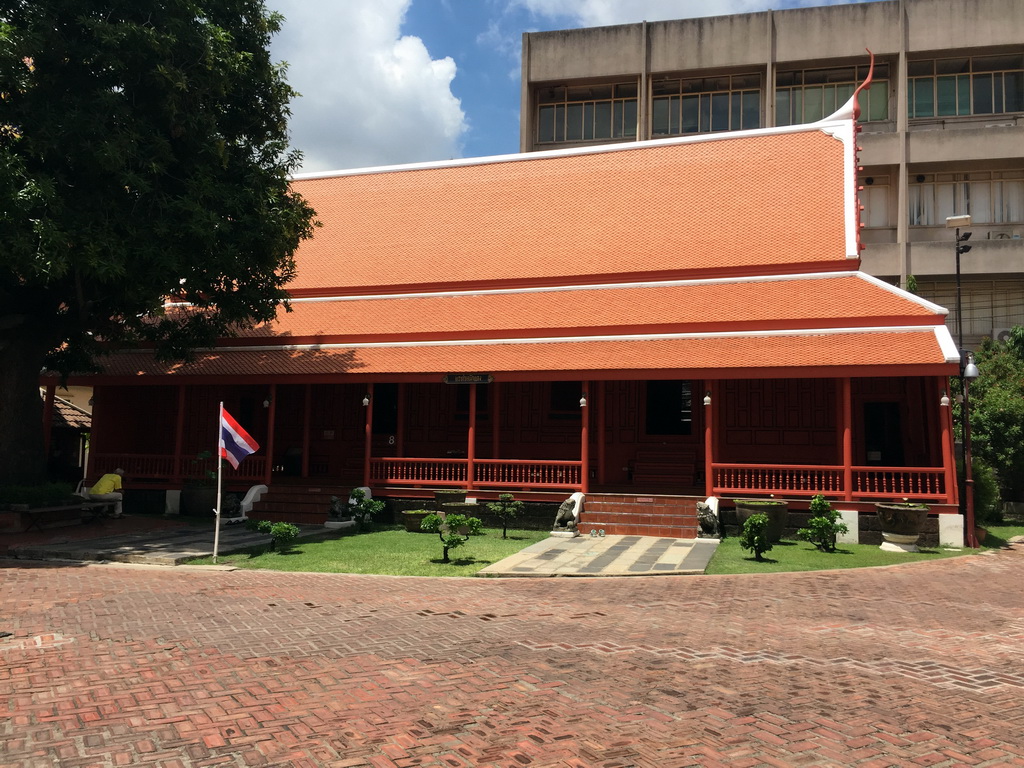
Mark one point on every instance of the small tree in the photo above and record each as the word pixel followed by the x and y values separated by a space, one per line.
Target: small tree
pixel 362 509
pixel 506 509
pixel 453 530
pixel 824 527
pixel 755 535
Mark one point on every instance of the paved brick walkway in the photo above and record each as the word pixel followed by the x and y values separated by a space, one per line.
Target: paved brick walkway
pixel 919 664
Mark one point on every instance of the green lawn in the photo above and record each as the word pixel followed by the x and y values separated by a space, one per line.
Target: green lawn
pixel 802 556
pixel 392 551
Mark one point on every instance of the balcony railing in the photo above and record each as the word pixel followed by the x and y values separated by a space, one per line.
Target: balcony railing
pixel 923 483
pixel 487 473
pixel 175 469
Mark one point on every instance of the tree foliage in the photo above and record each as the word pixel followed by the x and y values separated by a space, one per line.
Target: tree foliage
pixel 143 155
pixel 997 410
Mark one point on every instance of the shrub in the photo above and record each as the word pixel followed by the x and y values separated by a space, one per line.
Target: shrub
pixel 755 535
pixel 506 509
pixel 824 527
pixel 453 530
pixel 362 509
pixel 282 535
pixel 986 493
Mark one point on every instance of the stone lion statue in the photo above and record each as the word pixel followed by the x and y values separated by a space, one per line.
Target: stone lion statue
pixel 565 520
pixel 708 521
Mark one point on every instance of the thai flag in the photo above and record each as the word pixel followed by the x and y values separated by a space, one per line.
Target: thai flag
pixel 235 442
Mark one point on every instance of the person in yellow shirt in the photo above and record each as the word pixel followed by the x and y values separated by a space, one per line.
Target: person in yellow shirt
pixel 108 488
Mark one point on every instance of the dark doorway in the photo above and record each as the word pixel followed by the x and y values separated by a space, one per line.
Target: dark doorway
pixel 883 435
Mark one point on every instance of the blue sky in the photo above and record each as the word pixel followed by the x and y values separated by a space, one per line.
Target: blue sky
pixel 398 81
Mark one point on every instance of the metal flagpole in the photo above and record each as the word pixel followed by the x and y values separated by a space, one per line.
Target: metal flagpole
pixel 216 511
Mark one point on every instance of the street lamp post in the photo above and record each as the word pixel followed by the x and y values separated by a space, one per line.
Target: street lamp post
pixel 968 371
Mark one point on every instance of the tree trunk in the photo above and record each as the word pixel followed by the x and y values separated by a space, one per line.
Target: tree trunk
pixel 22 457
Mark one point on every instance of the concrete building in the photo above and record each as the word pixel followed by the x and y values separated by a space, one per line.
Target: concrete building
pixel 943 121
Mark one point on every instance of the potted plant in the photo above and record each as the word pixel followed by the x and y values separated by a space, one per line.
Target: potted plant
pixel 776 510
pixel 448 496
pixel 901 524
pixel 199 493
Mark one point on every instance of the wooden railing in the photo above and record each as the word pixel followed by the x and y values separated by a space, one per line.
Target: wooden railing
pixel 399 471
pixel 926 483
pixel 521 473
pixel 893 482
pixel 487 473
pixel 175 469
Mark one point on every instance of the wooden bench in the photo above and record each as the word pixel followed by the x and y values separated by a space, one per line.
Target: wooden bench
pixel 88 511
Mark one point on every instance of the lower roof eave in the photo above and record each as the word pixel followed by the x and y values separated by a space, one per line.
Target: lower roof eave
pixel 704 374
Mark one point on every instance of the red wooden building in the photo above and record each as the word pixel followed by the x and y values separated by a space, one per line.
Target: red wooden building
pixel 682 317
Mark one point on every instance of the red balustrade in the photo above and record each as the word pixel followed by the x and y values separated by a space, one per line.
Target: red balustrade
pixel 926 483
pixel 522 473
pixel 401 471
pixel 175 468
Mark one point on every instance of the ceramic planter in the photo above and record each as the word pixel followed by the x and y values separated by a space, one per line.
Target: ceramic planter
pixel 412 519
pixel 776 510
pixel 901 525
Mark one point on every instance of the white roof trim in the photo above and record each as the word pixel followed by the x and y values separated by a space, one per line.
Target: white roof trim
pixel 936 330
pixel 617 286
pixel 905 294
pixel 946 344
pixel 833 127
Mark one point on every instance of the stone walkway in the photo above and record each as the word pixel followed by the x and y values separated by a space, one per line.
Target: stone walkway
pixel 607 556
pixel 914 664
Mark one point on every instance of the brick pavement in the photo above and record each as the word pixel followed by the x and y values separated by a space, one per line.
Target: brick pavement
pixel 120 665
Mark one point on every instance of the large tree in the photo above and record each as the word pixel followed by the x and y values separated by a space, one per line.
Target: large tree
pixel 997 411
pixel 143 154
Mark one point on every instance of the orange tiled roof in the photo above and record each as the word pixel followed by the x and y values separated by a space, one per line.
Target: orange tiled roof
pixel 733 202
pixel 895 349
pixel 839 300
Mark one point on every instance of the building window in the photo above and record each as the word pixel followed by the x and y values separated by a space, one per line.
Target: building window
pixel 669 408
pixel 990 197
pixel 705 105
pixel 565 400
pixel 586 113
pixel 875 198
pixel 807 95
pixel 982 85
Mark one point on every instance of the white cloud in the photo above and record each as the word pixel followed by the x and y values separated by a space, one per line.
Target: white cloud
pixel 600 13
pixel 370 96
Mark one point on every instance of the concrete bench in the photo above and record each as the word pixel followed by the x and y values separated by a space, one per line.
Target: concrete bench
pixel 87 512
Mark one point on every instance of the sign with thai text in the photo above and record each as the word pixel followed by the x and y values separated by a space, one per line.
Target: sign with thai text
pixel 468 378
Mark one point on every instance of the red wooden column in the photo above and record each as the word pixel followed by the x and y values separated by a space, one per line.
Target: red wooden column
pixel 709 476
pixel 495 420
pixel 367 434
pixel 51 393
pixel 307 421
pixel 471 439
pixel 179 433
pixel 268 472
pixel 602 435
pixel 945 422
pixel 847 394
pixel 585 440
